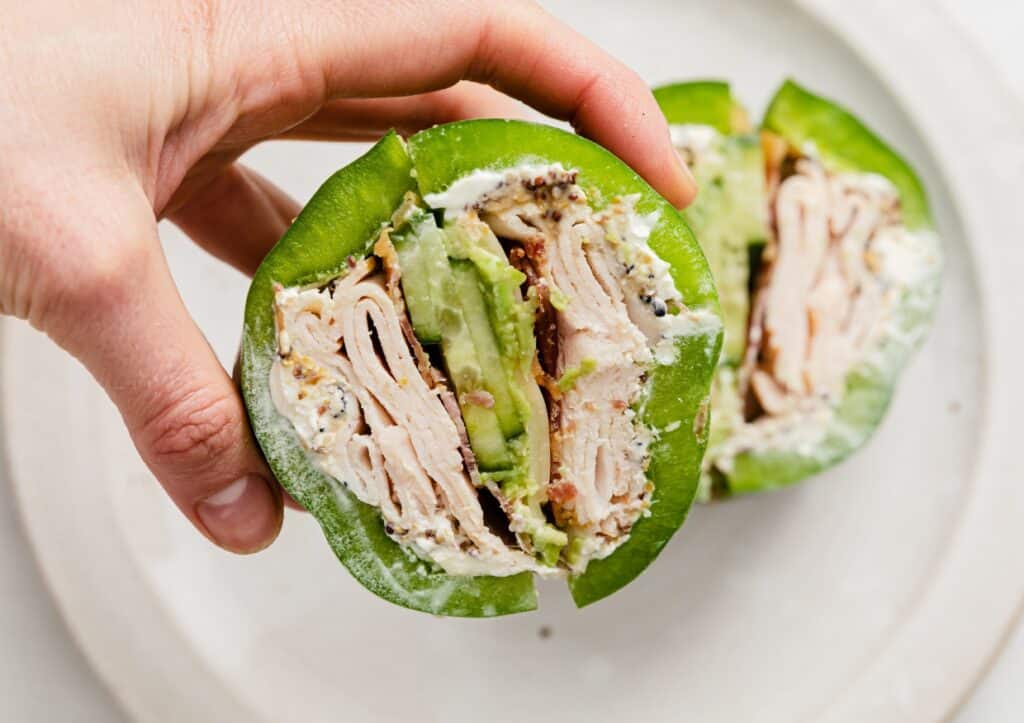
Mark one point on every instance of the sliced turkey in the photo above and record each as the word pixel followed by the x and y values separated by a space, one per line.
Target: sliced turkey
pixel 353 391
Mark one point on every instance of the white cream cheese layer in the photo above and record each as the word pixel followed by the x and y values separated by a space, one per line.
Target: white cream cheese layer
pixel 698 144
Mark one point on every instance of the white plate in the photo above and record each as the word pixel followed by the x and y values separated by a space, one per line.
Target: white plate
pixel 877 592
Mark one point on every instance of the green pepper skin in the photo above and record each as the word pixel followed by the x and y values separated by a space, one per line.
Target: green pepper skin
pixel 843 144
pixel 702 102
pixel 343 219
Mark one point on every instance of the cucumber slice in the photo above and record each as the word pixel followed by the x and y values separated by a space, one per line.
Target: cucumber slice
pixel 468 295
pixel 424 265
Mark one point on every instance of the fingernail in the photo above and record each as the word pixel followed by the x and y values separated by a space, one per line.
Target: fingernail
pixel 243 517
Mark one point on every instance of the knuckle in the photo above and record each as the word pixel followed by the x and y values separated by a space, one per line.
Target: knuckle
pixel 103 270
pixel 193 432
pixel 87 284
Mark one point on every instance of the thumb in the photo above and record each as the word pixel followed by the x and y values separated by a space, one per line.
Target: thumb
pixel 125 320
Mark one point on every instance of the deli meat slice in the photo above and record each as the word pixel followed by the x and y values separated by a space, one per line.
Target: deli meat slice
pixel 394 443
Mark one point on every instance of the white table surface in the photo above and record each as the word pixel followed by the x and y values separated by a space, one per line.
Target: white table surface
pixel 44 678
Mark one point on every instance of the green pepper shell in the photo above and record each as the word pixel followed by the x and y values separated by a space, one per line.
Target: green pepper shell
pixel 843 144
pixel 702 102
pixel 343 219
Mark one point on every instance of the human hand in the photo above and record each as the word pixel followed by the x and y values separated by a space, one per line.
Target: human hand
pixel 116 115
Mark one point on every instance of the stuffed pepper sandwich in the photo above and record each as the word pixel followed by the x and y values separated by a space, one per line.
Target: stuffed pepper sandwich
pixel 828 268
pixel 484 355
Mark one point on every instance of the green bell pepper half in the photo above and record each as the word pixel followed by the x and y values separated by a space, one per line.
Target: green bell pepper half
pixel 343 219
pixel 843 144
pixel 703 102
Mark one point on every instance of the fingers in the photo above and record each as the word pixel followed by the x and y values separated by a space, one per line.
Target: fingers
pixel 237 216
pixel 528 54
pixel 124 319
pixel 372 49
pixel 367 119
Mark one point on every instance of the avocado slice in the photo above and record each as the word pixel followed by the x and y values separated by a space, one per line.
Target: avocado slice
pixel 467 374
pixel 511 317
pixel 435 283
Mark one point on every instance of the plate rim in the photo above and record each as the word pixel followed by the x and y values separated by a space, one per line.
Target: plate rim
pixel 857 25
